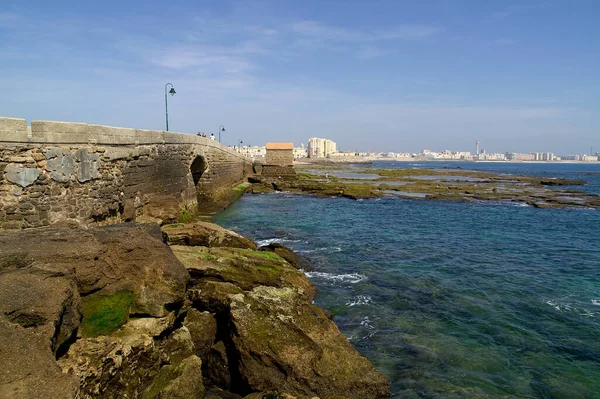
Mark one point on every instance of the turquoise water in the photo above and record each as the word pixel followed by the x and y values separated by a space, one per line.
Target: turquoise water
pixel 452 299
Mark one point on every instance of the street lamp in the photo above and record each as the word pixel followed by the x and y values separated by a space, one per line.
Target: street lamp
pixel 220 129
pixel 240 142
pixel 171 92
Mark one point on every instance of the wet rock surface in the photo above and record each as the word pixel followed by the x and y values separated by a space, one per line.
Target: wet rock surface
pixel 113 312
pixel 434 184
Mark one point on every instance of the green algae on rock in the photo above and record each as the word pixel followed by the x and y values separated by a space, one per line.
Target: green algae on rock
pixel 102 315
pixel 435 184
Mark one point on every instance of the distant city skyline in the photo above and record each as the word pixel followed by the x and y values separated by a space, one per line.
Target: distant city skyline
pixel 520 76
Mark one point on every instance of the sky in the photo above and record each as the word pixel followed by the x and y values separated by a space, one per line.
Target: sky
pixel 379 75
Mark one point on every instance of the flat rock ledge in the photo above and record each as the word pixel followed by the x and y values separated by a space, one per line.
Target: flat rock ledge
pixel 114 312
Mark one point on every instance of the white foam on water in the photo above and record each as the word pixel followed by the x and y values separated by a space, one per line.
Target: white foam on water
pixel 366 322
pixel 351 278
pixel 268 241
pixel 323 249
pixel 562 306
pixel 360 300
pixel 554 304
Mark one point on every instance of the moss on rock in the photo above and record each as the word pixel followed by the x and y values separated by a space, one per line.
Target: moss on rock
pixel 102 315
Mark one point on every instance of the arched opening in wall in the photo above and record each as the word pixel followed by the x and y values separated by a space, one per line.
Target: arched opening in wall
pixel 198 167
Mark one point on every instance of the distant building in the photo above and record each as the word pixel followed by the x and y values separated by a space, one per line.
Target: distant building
pixel 300 152
pixel 321 148
pixel 281 154
pixel 254 151
pixel 279 162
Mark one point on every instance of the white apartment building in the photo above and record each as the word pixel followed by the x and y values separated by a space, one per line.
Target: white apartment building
pixel 300 152
pixel 321 148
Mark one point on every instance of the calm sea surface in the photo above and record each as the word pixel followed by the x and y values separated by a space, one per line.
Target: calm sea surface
pixel 451 299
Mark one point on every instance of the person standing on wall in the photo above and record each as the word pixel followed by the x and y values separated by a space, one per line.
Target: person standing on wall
pixel 212 136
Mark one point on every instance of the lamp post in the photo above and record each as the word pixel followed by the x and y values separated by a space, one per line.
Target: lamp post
pixel 220 129
pixel 171 92
pixel 240 142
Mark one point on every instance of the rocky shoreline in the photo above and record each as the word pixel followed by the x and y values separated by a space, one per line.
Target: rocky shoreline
pixel 186 311
pixel 360 182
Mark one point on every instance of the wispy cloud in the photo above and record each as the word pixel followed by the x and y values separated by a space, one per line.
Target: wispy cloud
pixel 333 33
pixel 517 9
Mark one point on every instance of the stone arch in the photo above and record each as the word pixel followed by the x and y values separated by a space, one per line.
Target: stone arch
pixel 198 168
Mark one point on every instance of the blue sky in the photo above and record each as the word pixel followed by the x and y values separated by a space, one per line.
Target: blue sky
pixel 380 75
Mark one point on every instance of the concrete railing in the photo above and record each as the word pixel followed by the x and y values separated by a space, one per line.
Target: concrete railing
pixel 15 130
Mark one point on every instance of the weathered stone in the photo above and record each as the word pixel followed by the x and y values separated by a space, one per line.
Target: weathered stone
pixel 204 234
pixel 87 165
pixel 22 176
pixel 29 369
pixel 294 259
pixel 60 164
pixel 264 305
pixel 106 261
pixel 203 329
pixel 21 159
pixel 46 302
pixel 277 326
pixel 186 382
pixel 217 370
pixel 245 268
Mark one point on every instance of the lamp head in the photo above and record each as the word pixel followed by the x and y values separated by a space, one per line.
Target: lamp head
pixel 172 91
pixel 222 129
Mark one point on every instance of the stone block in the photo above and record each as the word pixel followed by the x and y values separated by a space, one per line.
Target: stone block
pixel 87 165
pixel 13 130
pixel 60 164
pixel 22 176
pixel 60 132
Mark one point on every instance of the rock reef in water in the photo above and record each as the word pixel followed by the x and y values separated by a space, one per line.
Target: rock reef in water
pixel 432 184
pixel 112 312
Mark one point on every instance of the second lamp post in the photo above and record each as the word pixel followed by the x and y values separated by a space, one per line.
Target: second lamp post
pixel 220 129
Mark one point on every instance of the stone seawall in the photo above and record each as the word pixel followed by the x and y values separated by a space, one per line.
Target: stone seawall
pixel 56 171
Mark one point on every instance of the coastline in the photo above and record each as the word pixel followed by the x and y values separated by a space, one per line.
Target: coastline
pixel 184 311
pixel 380 159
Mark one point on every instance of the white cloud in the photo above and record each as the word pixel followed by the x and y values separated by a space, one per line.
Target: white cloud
pixel 333 33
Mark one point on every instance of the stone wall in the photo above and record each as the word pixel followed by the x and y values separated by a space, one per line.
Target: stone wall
pixel 279 157
pixel 56 171
pixel 278 172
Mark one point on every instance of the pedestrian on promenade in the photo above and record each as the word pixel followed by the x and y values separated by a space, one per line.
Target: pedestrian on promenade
pixel 212 136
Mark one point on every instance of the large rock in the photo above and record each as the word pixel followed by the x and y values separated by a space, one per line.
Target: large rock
pixel 204 234
pixel 28 369
pixel 244 268
pixel 102 261
pixel 137 362
pixel 270 338
pixel 65 290
pixel 286 344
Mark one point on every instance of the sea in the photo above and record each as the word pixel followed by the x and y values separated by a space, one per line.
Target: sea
pixel 450 299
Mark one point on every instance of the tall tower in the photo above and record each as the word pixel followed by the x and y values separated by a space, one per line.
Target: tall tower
pixel 476 147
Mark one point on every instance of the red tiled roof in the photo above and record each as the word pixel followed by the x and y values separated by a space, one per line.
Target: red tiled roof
pixel 280 146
